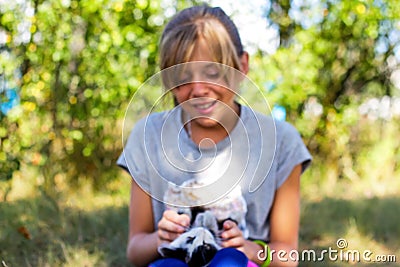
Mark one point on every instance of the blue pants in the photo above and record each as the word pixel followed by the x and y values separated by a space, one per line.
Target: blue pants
pixel 227 257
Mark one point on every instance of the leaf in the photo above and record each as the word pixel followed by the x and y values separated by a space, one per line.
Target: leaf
pixel 24 232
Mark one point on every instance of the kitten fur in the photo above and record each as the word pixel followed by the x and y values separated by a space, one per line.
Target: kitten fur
pixel 198 245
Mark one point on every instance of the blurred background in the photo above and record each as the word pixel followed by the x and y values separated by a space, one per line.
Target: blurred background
pixel 68 69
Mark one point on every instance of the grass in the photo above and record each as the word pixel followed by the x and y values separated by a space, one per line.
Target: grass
pixel 83 228
pixel 366 224
pixel 363 211
pixel 79 229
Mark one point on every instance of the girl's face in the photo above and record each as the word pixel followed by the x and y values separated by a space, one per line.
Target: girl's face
pixel 206 95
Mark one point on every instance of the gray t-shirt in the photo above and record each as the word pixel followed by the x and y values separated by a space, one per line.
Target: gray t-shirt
pixel 257 157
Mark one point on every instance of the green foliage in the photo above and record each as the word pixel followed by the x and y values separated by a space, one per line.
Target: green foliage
pixel 82 62
pixel 337 57
pixel 88 229
pixel 342 58
pixel 365 223
pixel 80 230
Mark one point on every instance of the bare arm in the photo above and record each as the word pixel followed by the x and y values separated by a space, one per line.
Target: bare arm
pixel 285 218
pixel 143 238
pixel 284 224
pixel 143 241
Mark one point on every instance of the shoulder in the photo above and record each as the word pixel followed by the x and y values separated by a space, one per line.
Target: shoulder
pixel 155 118
pixel 145 129
pixel 281 131
pixel 282 127
pixel 288 138
pixel 151 120
pixel 250 116
pixel 286 130
pixel 290 146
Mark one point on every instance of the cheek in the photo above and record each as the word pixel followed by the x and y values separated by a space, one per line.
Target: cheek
pixel 181 94
pixel 227 100
pixel 230 95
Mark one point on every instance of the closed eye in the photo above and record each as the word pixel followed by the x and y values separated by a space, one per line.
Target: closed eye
pixel 211 72
pixel 212 75
pixel 184 77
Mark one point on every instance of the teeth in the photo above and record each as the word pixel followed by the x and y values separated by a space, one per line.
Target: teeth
pixel 205 106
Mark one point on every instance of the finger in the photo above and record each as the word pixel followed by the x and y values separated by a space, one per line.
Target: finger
pixel 166 236
pixel 170 226
pixel 236 242
pixel 181 219
pixel 229 224
pixel 232 233
pixel 231 230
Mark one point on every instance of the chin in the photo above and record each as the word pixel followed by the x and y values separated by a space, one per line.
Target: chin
pixel 207 122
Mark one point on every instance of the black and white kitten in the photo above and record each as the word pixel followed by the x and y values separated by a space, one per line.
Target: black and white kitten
pixel 198 245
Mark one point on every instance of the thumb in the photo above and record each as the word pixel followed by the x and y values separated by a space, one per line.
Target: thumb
pixel 184 220
pixel 228 224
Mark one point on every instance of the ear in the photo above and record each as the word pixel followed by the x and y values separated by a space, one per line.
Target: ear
pixel 244 62
pixel 202 255
pixel 169 252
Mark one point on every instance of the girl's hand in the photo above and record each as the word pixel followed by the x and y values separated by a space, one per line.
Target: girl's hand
pixel 232 236
pixel 171 226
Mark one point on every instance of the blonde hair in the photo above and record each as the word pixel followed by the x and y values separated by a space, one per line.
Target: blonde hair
pixel 200 22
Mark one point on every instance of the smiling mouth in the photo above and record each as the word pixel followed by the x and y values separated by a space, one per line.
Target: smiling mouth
pixel 205 105
pixel 205 108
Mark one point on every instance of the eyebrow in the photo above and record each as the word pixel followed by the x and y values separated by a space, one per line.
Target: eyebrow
pixel 210 64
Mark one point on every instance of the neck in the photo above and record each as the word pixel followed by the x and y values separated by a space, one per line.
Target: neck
pixel 208 135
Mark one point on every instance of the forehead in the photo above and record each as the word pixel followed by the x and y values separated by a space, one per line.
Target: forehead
pixel 201 71
pixel 199 66
pixel 202 52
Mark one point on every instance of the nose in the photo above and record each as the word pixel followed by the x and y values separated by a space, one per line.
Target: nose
pixel 198 89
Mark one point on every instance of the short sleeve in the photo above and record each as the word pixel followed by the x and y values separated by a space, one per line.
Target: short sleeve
pixel 291 151
pixel 132 158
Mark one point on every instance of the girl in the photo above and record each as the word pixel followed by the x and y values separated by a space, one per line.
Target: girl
pixel 210 139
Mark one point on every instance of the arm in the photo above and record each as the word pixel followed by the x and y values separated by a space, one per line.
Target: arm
pixel 143 238
pixel 285 218
pixel 143 241
pixel 284 224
